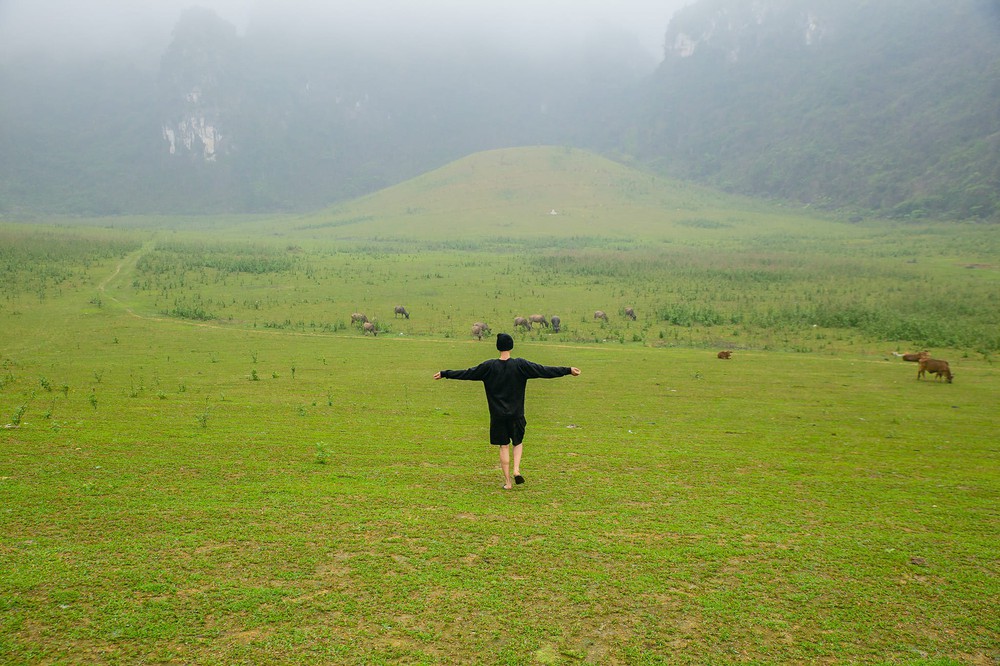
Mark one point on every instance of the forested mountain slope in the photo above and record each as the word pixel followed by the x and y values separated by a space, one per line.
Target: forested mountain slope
pixel 889 107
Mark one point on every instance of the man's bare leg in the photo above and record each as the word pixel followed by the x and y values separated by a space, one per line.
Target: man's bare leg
pixel 505 463
pixel 517 460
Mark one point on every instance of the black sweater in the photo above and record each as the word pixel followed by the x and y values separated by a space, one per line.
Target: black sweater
pixel 505 381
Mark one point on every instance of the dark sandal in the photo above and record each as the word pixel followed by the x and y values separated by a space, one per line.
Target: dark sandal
pixel 518 479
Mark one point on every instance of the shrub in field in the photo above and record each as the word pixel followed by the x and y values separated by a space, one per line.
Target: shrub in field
pixel 202 417
pixel 15 419
pixel 194 312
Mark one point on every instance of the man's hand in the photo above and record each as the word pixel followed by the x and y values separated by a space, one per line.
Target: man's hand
pixel 574 371
pixel 437 375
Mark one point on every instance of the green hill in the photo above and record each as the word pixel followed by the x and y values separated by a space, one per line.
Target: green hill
pixel 539 192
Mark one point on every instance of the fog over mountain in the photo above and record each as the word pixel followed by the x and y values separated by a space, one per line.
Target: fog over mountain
pixel 114 26
pixel 117 106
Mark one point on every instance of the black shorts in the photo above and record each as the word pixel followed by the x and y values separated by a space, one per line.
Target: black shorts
pixel 507 430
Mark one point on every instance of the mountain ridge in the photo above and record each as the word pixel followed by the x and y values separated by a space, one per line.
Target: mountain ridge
pixel 886 109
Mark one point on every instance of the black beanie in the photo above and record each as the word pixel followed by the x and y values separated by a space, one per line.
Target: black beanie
pixel 504 342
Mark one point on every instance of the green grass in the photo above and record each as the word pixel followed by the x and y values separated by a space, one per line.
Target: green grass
pixel 265 484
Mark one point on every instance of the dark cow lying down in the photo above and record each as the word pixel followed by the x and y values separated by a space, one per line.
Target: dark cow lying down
pixel 938 368
pixel 913 357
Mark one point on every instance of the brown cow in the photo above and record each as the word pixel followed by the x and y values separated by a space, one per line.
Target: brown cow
pixel 400 310
pixel 522 322
pixel 630 313
pixel 539 319
pixel 600 314
pixel 724 354
pixel 939 368
pixel 915 356
pixel 358 318
pixel 370 328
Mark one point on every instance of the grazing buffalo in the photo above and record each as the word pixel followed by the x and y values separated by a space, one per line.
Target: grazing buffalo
pixel 630 313
pixel 725 354
pixel 400 310
pixel 358 318
pixel 539 319
pixel 370 328
pixel 555 323
pixel 483 327
pixel 600 314
pixel 522 322
pixel 939 368
pixel 478 331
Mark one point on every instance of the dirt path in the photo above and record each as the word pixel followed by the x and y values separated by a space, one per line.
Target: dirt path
pixel 132 260
pixel 129 263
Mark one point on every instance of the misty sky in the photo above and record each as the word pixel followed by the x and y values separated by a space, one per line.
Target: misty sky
pixel 108 26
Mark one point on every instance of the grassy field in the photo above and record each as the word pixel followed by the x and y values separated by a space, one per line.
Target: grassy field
pixel 204 462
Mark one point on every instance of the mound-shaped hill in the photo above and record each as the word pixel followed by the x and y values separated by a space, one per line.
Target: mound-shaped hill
pixel 527 192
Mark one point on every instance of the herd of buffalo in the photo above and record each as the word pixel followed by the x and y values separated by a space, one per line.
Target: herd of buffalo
pixel 479 329
pixel 925 364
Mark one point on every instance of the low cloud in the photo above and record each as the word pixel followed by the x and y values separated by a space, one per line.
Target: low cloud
pixel 111 26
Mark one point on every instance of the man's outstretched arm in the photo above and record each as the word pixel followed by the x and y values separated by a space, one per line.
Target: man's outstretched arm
pixel 536 371
pixel 476 373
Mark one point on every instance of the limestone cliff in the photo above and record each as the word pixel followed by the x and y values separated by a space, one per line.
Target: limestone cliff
pixel 198 86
